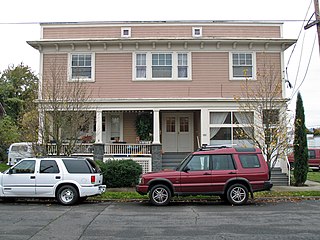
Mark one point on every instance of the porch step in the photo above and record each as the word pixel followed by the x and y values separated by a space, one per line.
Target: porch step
pixel 278 178
pixel 171 160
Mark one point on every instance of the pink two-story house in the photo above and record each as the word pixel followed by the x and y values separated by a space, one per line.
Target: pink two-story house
pixel 186 74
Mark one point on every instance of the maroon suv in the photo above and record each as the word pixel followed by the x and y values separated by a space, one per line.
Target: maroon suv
pixel 231 173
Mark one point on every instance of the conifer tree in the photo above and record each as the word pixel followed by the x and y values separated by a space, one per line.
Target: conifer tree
pixel 300 145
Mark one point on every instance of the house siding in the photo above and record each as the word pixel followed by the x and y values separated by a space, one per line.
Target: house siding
pixel 158 31
pixel 210 76
pixel 129 129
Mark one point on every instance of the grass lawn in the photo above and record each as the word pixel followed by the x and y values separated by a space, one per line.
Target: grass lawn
pixel 3 166
pixel 314 176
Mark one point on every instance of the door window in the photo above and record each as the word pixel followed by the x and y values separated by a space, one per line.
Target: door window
pixel 49 166
pixel 222 162
pixel 184 124
pixel 170 124
pixel 199 163
pixel 25 166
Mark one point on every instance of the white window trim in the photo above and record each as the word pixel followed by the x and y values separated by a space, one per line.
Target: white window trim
pixel 228 125
pixel 254 74
pixel 92 79
pixel 194 31
pixel 123 29
pixel 149 67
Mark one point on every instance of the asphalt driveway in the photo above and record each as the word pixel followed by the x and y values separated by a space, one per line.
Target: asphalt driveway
pixel 139 220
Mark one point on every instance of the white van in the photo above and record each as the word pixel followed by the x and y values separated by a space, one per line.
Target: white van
pixel 18 151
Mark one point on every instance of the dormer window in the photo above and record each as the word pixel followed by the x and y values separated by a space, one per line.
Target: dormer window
pixel 197 32
pixel 126 32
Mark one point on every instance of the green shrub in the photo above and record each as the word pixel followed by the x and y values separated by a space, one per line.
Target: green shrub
pixel 120 173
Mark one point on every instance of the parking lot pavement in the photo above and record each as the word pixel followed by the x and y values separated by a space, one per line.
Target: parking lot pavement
pixel 180 220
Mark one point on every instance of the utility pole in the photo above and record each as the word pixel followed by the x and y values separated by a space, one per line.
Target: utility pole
pixel 317 21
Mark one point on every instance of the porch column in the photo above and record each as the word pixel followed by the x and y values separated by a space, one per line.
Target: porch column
pixel 98 126
pixel 156 126
pixel 205 129
pixel 41 127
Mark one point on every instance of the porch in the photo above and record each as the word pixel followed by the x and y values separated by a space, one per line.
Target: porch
pixel 141 153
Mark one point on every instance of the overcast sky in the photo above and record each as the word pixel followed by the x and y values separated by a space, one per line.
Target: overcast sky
pixel 19 22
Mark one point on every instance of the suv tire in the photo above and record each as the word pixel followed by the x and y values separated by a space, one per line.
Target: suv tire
pixel 237 194
pixel 67 195
pixel 160 195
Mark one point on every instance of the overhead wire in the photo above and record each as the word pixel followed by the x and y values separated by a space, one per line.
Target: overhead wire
pixel 294 47
pixel 307 68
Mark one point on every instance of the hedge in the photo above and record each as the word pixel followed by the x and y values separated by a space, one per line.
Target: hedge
pixel 120 173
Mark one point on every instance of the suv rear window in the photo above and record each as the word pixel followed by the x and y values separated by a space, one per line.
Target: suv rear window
pixel 249 161
pixel 77 166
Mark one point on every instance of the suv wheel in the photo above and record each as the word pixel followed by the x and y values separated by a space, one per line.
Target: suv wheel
pixel 160 195
pixel 237 194
pixel 67 195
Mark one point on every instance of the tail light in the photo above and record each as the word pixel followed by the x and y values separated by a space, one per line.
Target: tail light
pixel 93 179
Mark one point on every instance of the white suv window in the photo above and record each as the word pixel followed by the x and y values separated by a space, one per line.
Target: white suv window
pixel 77 166
pixel 24 167
pixel 49 166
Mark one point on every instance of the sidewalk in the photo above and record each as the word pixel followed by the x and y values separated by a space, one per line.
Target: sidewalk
pixel 310 186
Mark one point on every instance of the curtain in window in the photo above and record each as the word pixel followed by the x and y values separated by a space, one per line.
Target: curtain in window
pixel 243 118
pixel 217 118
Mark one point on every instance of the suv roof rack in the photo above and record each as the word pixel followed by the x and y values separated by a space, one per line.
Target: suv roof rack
pixel 206 147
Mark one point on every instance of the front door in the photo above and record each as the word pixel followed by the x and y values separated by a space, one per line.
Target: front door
pixel 21 180
pixel 177 132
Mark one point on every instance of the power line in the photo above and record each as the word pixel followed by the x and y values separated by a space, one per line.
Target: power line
pixel 234 20
pixel 305 75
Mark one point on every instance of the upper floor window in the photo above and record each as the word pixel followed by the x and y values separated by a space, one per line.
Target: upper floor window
pixel 162 66
pixel 126 32
pixel 197 32
pixel 141 65
pixel 81 66
pixel 242 65
pixel 182 65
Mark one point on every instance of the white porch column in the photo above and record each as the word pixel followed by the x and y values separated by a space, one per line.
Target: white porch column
pixel 156 126
pixel 41 127
pixel 205 129
pixel 99 126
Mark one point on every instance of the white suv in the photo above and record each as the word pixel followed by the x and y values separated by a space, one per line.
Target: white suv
pixel 69 180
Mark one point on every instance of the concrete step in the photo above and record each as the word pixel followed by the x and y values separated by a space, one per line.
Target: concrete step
pixel 278 178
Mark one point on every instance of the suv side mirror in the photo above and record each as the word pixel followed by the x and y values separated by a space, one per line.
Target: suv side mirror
pixel 10 171
pixel 186 169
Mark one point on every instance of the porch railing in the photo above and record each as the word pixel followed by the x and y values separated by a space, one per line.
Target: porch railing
pixel 83 148
pixel 120 149
pixel 113 149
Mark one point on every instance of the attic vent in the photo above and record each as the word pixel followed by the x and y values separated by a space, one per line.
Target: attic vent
pixel 126 32
pixel 197 32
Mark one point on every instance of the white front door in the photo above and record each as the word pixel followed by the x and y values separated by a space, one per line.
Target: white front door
pixel 177 132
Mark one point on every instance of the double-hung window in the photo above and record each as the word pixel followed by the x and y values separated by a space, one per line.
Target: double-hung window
pixel 162 66
pixel 182 65
pixel 141 66
pixel 81 66
pixel 242 65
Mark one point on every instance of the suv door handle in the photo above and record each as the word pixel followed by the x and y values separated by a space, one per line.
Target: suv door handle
pixel 32 177
pixel 206 173
pixel 58 177
pixel 232 173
